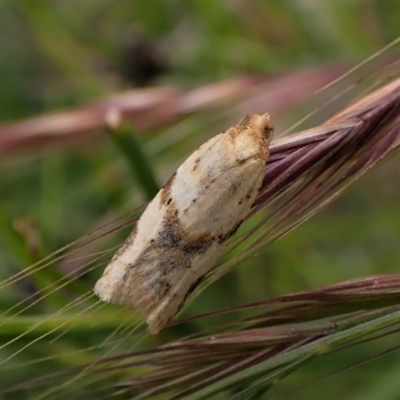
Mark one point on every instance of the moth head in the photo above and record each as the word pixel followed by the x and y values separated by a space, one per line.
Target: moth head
pixel 260 122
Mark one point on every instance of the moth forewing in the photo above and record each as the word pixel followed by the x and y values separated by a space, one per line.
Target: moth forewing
pixel 183 231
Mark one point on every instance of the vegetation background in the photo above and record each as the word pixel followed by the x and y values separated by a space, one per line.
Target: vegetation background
pixel 61 55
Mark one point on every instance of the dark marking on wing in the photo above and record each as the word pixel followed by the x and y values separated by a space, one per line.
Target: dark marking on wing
pixel 172 236
pixel 223 238
pixel 196 163
pixel 166 190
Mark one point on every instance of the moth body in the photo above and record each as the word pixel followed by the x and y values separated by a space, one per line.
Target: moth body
pixel 184 229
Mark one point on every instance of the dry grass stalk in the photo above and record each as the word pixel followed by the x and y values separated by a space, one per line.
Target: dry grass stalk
pixel 158 107
pixel 291 330
pixel 308 170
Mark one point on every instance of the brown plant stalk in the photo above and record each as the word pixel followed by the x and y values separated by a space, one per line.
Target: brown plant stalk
pixel 308 170
pixel 157 107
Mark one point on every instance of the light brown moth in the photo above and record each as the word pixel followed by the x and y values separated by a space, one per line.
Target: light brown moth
pixel 184 229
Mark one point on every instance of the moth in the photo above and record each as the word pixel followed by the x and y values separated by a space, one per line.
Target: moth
pixel 185 228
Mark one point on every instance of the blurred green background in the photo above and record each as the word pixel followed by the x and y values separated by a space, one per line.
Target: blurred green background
pixel 60 55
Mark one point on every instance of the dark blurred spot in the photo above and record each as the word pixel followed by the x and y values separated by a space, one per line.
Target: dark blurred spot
pixel 140 61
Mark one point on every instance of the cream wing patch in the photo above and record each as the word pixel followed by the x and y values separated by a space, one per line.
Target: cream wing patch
pixel 183 231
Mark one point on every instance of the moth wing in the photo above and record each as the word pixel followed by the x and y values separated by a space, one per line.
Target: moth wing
pixel 184 229
pixel 209 211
